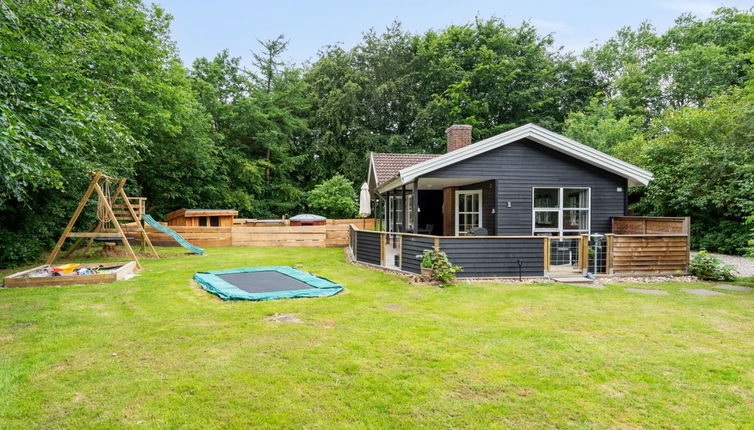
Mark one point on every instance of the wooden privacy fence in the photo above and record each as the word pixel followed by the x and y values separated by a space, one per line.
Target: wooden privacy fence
pixel 332 234
pixel 651 225
pixel 641 254
pixel 530 256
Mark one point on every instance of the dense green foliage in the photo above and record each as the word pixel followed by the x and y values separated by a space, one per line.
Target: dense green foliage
pixel 333 198
pixel 98 85
pixel 681 105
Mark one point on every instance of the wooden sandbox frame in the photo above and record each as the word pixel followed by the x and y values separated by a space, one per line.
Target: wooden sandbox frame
pixel 17 280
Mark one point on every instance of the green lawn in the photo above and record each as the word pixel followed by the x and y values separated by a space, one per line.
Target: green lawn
pixel 156 351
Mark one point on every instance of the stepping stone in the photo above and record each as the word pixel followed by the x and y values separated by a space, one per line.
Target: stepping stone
pixel 643 291
pixel 593 286
pixel 733 288
pixel 573 279
pixel 702 292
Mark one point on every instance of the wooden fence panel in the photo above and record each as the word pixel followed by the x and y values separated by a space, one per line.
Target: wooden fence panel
pixel 303 236
pixel 199 236
pixel 650 225
pixel 650 254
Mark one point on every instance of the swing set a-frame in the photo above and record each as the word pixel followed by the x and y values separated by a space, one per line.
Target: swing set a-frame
pixel 108 224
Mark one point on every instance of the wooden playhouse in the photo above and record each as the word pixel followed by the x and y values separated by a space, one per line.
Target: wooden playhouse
pixel 201 217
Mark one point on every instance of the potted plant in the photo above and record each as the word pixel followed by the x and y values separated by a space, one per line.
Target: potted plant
pixel 426 266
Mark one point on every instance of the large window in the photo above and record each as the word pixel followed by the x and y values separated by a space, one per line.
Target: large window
pixel 560 211
pixel 468 211
pixel 395 211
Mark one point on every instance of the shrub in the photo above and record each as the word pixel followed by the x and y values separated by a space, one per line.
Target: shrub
pixel 442 269
pixel 333 198
pixel 709 268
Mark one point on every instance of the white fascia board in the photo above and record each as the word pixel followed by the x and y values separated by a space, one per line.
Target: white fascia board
pixel 636 175
pixel 372 173
pixel 393 183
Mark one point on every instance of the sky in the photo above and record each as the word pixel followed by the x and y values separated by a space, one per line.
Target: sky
pixel 202 28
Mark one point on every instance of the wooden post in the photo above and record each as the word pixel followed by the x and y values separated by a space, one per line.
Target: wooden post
pixel 415 199
pixel 609 253
pixel 404 212
pixel 687 224
pixel 437 244
pixel 400 253
pixel 584 253
pixel 546 244
pixel 74 218
pixel 382 249
pixel 118 228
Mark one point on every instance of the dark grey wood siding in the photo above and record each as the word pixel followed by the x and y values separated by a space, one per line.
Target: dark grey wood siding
pixel 368 247
pixel 489 257
pixel 522 165
pixel 413 246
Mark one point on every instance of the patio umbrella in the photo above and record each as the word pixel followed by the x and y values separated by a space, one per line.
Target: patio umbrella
pixel 365 207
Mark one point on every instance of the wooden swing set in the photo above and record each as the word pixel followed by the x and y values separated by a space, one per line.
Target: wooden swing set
pixel 107 225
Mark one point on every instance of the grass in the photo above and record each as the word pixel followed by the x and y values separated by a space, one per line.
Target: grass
pixel 156 351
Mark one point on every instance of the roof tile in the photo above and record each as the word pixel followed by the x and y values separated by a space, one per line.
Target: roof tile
pixel 387 165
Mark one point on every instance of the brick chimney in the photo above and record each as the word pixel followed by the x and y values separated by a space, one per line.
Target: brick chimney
pixel 459 135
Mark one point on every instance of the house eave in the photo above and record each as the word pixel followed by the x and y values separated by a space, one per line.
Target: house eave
pixel 391 184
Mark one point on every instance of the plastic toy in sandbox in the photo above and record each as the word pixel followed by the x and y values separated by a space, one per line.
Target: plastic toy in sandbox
pixel 71 274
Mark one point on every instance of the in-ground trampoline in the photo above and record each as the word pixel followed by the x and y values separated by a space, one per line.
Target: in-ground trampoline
pixel 265 283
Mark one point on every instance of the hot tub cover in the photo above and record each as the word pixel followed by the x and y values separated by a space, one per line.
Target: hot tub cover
pixel 308 218
pixel 272 282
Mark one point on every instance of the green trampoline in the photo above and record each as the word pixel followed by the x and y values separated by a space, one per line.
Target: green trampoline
pixel 265 283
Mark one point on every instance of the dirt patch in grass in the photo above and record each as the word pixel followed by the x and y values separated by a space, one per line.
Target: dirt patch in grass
pixel 393 307
pixel 283 318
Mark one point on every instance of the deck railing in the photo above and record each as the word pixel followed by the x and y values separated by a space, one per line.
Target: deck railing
pixel 527 256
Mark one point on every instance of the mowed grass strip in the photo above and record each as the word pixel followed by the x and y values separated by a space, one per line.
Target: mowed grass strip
pixel 157 351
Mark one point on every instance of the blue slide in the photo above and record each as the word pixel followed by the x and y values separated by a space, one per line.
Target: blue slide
pixel 172 233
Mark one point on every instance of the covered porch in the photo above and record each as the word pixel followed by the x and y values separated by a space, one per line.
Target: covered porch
pixel 440 207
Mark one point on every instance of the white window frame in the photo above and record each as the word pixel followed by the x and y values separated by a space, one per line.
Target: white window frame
pixel 560 209
pixel 398 214
pixel 457 212
pixel 409 207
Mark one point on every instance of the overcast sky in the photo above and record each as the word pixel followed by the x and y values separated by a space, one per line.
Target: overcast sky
pixel 204 27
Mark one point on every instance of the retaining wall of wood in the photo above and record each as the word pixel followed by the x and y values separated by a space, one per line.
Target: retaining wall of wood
pixel 332 234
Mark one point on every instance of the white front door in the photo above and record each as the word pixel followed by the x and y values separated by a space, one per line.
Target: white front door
pixel 468 211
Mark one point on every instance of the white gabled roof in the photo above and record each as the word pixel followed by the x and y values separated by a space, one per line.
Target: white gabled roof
pixel 634 174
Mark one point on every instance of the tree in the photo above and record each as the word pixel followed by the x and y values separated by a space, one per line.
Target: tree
pixel 93 85
pixel 268 61
pixel 333 198
pixel 703 163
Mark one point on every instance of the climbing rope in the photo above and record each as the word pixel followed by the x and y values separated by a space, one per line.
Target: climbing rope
pixel 102 214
